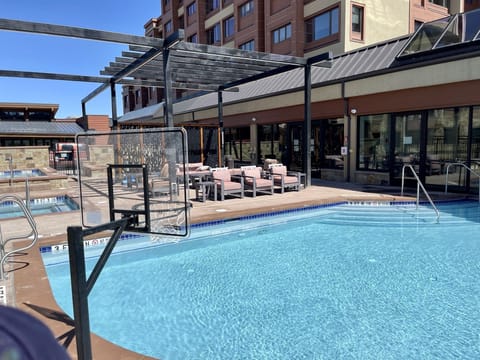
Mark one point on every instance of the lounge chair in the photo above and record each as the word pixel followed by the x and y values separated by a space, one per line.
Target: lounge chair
pixel 255 181
pixel 226 183
pixel 285 179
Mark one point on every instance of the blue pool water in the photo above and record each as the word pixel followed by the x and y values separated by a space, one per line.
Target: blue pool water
pixel 343 282
pixel 21 173
pixel 9 209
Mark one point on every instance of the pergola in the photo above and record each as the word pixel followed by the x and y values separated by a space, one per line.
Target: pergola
pixel 172 64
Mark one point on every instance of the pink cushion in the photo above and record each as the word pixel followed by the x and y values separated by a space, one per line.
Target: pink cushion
pixel 254 172
pixel 280 170
pixel 231 185
pixel 263 182
pixel 222 174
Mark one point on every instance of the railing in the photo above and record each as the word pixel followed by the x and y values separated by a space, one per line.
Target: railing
pixel 28 215
pixel 419 185
pixel 466 167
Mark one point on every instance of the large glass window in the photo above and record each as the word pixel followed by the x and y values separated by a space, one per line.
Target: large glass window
pixel 282 34
pixel 374 142
pixel 237 144
pixel 192 9
pixel 475 150
pixel 322 26
pixel 212 5
pixel 269 137
pixel 447 142
pixel 333 141
pixel 357 22
pixel 247 8
pixel 249 45
pixel 229 27
pixel 213 34
pixel 168 27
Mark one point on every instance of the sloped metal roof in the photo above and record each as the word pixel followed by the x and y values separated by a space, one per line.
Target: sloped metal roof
pixel 357 63
pixel 146 113
pixel 54 128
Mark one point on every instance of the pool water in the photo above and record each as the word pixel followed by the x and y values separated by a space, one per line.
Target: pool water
pixel 41 206
pixel 21 173
pixel 356 282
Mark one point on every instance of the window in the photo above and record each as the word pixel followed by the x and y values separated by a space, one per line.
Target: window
pixel 322 26
pixel 444 3
pixel 168 27
pixel 191 9
pixel 283 33
pixel 246 8
pixel 357 22
pixel 229 27
pixel 212 5
pixel 374 144
pixel 193 39
pixel 249 45
pixel 213 34
pixel 137 96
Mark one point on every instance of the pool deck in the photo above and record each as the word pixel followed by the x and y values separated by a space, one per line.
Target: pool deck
pixel 28 288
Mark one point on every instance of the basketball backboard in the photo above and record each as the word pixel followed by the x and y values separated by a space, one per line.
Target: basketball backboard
pixel 136 173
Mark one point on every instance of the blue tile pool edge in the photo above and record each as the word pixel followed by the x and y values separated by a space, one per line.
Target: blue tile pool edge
pixel 202 225
pixel 101 241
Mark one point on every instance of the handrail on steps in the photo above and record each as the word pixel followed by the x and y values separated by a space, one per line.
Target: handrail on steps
pixel 419 185
pixel 31 221
pixel 466 167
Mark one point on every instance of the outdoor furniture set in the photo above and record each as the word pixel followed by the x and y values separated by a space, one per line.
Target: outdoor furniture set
pixel 222 181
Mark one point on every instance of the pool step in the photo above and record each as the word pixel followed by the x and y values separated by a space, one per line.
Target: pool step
pixel 401 214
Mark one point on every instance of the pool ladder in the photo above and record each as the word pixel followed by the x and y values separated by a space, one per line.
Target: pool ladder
pixel 4 254
pixel 419 185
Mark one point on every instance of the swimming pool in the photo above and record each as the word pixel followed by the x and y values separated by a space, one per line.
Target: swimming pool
pixel 21 173
pixel 40 206
pixel 360 282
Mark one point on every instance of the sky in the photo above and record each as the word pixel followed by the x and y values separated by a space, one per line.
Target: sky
pixel 42 53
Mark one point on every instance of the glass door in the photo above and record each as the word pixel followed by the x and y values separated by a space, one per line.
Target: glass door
pixel 407 145
pixel 295 151
pixel 475 149
pixel 447 144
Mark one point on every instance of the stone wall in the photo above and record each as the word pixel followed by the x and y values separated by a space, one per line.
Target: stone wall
pixel 24 157
pixel 101 154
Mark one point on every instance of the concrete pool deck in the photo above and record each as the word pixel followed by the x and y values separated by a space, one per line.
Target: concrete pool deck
pixel 28 287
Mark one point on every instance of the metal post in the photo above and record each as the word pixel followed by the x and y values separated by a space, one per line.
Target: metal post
pixel 167 75
pixel 220 125
pixel 113 99
pixel 307 125
pixel 79 292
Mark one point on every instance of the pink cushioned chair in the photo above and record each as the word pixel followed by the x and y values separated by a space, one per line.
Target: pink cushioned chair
pixel 253 180
pixel 226 183
pixel 285 179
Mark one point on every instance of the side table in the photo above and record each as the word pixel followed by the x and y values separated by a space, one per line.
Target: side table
pixel 203 190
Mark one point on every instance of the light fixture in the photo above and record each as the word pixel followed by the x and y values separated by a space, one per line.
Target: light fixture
pixel 254 119
pixel 353 111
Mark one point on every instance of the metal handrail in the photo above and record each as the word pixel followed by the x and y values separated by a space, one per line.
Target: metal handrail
pixel 28 215
pixel 419 185
pixel 466 167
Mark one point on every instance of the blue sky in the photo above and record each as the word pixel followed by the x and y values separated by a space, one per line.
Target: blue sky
pixel 33 52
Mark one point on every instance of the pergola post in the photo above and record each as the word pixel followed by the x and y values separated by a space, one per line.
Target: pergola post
pixel 307 125
pixel 167 89
pixel 220 127
pixel 113 95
